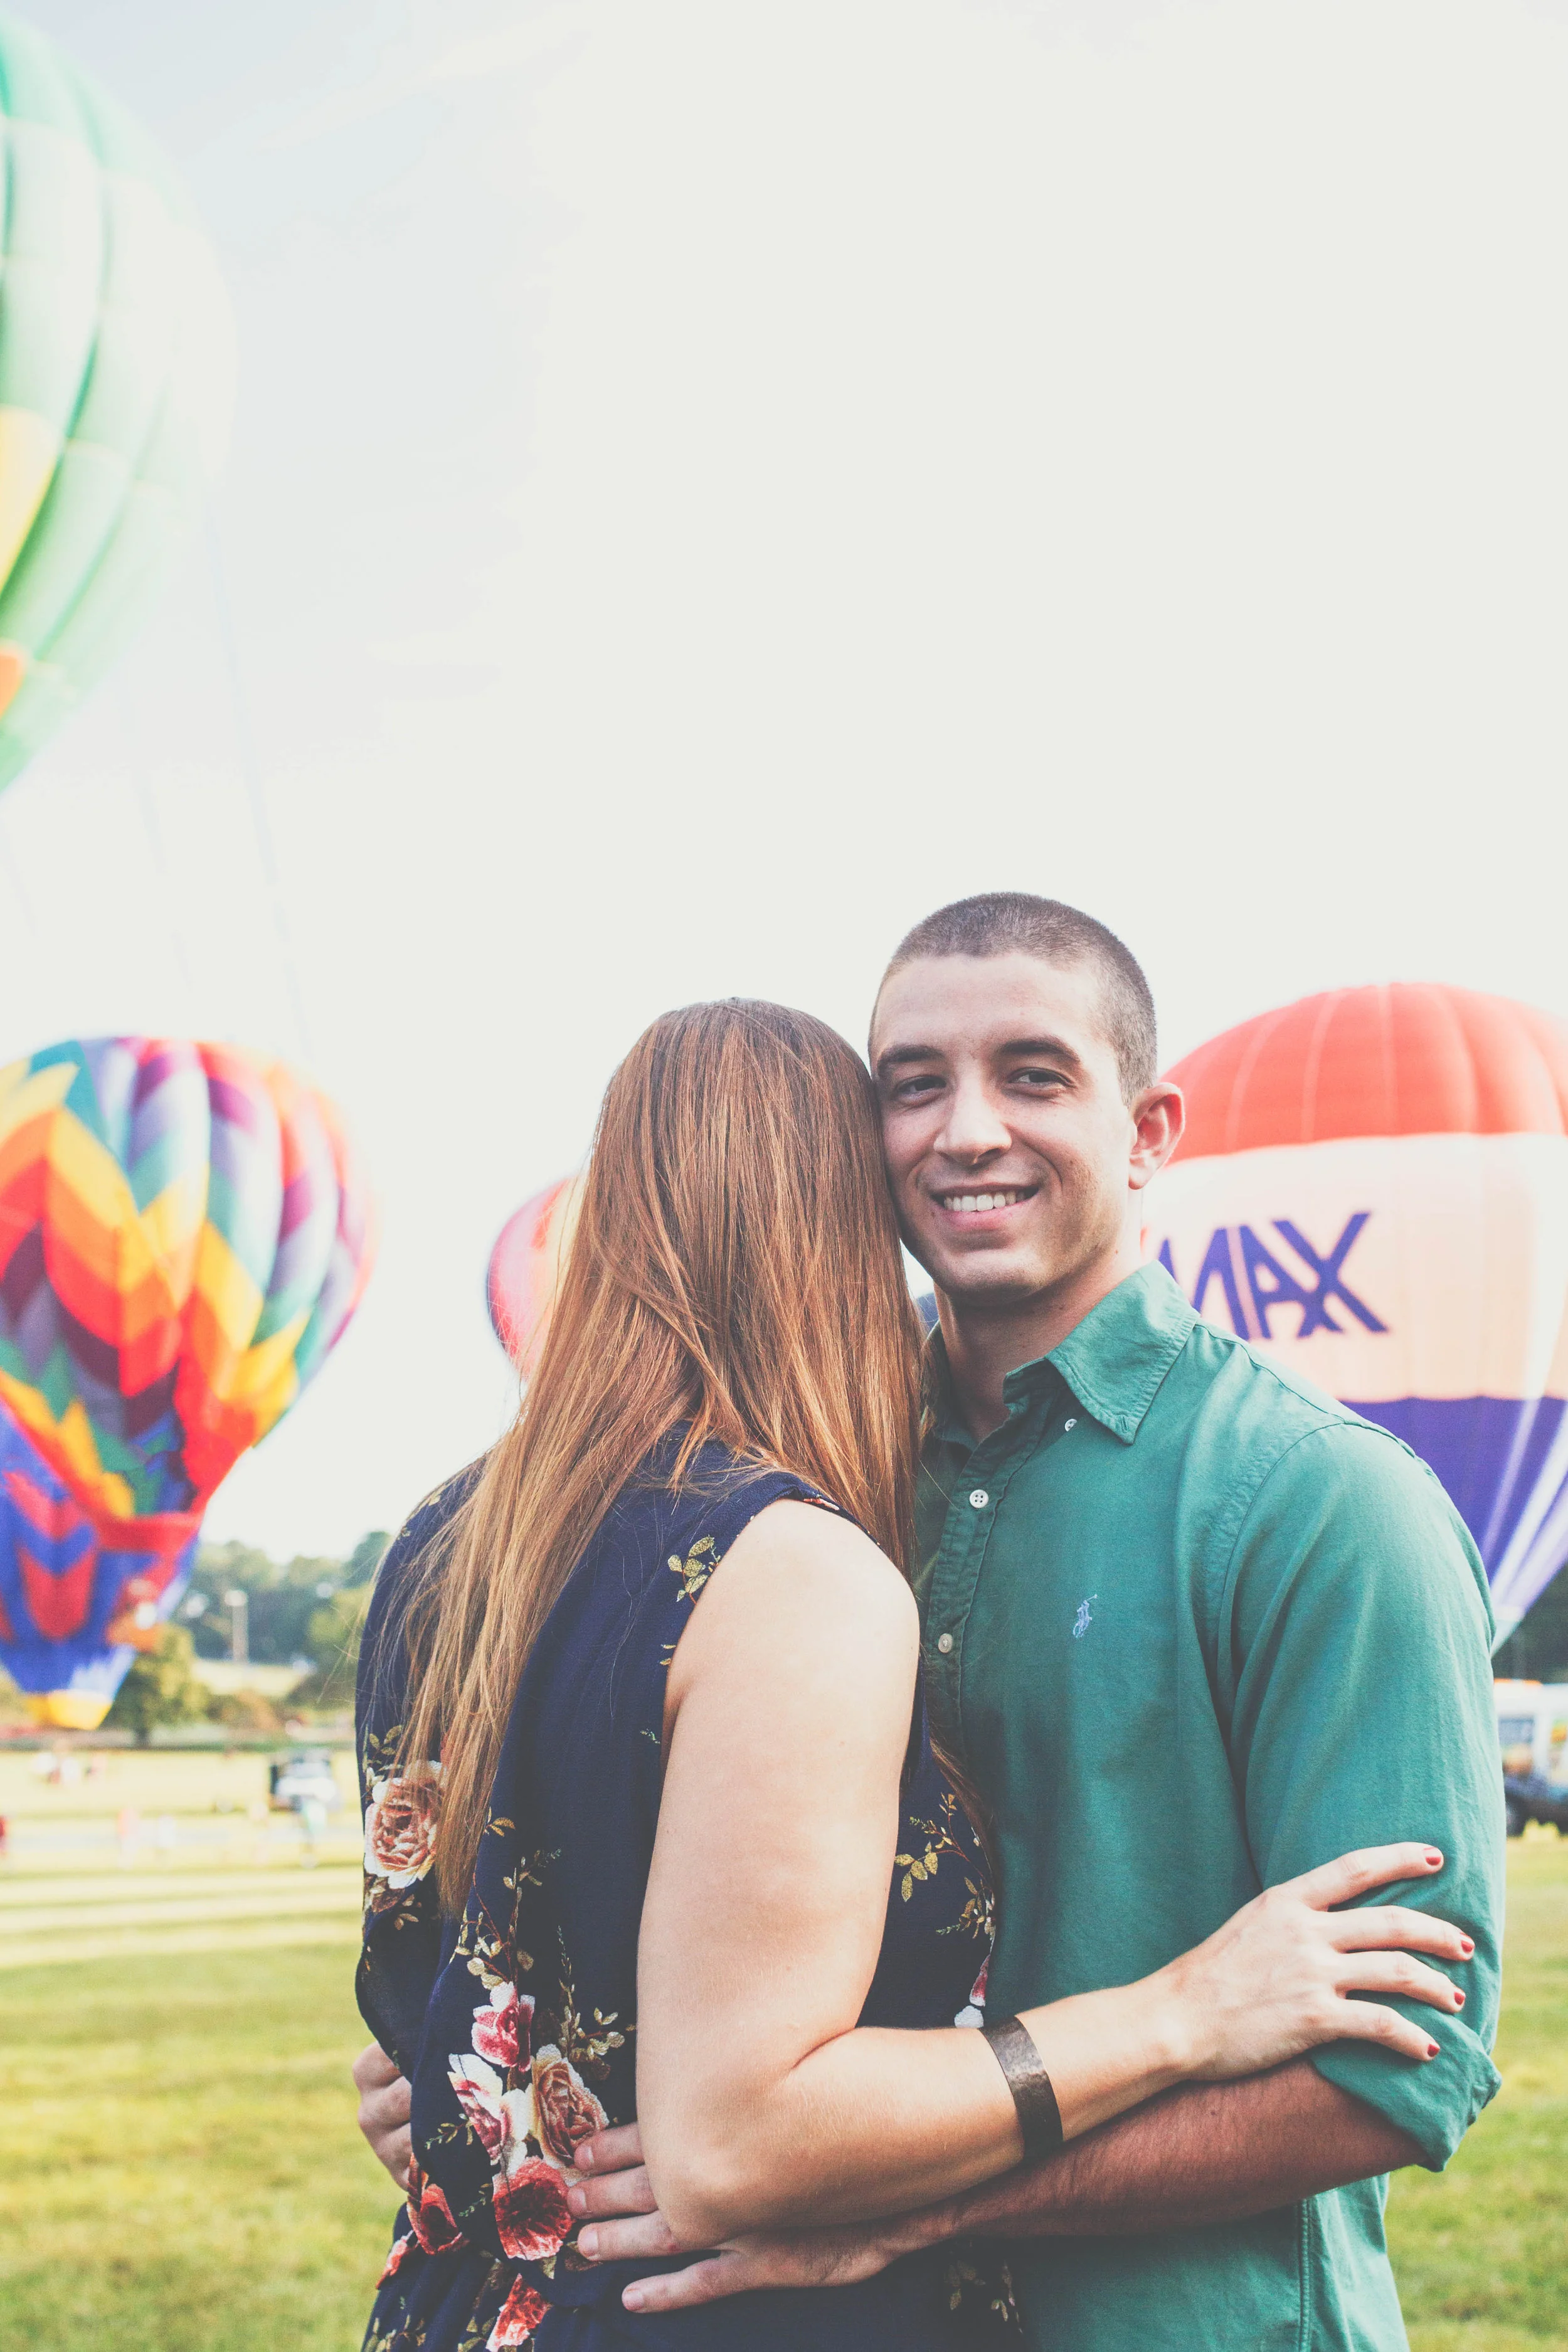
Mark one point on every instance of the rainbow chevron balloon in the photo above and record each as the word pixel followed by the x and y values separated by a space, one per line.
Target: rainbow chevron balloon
pixel 183 1235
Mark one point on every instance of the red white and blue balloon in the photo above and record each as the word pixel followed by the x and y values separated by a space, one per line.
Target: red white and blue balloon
pixel 1373 1189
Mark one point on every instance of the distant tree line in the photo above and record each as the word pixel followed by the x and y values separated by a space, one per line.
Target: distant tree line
pixel 306 1612
pixel 1537 1649
pixel 283 1600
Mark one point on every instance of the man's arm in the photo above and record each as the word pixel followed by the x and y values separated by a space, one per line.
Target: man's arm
pixel 384 2099
pixel 1211 2152
pixel 1355 1676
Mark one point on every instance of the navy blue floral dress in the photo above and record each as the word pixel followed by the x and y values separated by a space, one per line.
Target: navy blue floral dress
pixel 516 2026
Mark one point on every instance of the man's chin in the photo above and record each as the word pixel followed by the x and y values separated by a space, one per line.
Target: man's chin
pixel 981 1281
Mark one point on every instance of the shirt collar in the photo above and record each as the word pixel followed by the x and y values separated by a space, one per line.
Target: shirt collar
pixel 1113 1361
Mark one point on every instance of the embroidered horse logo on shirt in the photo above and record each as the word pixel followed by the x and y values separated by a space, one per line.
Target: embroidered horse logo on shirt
pixel 1084 1619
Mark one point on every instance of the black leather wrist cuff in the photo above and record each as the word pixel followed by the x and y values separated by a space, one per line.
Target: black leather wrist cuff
pixel 1012 2047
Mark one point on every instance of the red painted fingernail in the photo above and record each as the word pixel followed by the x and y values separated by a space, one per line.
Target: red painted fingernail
pixel 1466 1945
pixel 1431 2050
pixel 1434 1859
pixel 1459 1999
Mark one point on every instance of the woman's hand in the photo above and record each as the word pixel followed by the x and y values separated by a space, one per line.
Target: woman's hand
pixel 626 2225
pixel 384 2097
pixel 1275 1980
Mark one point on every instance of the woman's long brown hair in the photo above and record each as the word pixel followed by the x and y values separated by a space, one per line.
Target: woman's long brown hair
pixel 734 1274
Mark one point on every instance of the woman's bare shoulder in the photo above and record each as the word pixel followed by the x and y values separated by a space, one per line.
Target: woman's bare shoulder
pixel 795 1559
pixel 807 1640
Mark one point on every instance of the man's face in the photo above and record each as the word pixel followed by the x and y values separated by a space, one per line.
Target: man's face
pixel 1010 1153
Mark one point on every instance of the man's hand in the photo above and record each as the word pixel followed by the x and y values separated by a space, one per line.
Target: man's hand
pixel 384 2097
pixel 628 2226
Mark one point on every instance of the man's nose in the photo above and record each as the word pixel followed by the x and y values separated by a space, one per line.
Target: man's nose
pixel 973 1127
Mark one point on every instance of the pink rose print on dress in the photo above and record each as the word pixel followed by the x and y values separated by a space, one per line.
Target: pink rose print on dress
pixel 395 2259
pixel 533 2217
pixel 565 2112
pixel 519 2315
pixel 502 2028
pixel 480 2094
pixel 400 1832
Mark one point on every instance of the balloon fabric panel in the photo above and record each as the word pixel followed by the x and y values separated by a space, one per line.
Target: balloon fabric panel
pixel 1373 1188
pixel 74 1609
pixel 1400 1060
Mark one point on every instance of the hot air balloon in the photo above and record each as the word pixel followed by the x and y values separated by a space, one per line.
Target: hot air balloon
pixel 116 363
pixel 525 1265
pixel 1373 1188
pixel 78 1596
pixel 183 1236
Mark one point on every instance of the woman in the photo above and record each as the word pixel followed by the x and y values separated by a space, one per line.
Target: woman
pixel 653 1824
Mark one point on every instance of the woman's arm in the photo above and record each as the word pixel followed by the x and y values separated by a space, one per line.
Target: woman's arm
pixel 786 1725
pixel 760 2103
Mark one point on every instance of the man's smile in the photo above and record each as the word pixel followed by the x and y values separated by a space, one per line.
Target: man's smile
pixel 980 1200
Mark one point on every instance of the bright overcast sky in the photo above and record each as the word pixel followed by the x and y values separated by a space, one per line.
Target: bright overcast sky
pixel 711 482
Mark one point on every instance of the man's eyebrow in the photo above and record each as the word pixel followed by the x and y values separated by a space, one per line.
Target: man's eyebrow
pixel 897 1057
pixel 1048 1049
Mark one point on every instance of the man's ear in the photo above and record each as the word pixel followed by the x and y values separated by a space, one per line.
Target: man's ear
pixel 1159 1120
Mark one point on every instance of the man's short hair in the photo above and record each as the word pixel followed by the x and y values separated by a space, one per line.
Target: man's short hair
pixel 1012 922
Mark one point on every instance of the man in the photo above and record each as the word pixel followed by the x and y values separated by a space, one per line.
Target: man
pixel 1192 1629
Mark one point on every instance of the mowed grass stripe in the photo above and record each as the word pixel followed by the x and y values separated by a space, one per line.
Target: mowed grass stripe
pixel 254 1903
pixel 150 1943
pixel 20 1896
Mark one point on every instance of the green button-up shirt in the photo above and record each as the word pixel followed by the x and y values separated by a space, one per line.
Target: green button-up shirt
pixel 1192 1628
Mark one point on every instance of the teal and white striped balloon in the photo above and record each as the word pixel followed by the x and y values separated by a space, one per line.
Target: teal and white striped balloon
pixel 116 371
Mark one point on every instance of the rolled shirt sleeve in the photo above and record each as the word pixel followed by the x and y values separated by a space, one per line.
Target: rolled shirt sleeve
pixel 1355 1642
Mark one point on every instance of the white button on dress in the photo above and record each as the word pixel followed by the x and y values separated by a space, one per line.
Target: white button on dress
pixel 980 1498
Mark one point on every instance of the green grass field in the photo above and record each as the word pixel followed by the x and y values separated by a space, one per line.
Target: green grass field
pixel 1481 2251
pixel 179 2165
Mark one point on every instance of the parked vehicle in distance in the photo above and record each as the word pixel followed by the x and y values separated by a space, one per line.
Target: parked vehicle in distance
pixel 1532 1734
pixel 305 1779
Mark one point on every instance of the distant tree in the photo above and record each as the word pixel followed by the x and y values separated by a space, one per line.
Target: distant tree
pixel 284 1602
pixel 244 1710
pixel 160 1688
pixel 220 1568
pixel 1538 1647
pixel 365 1558
pixel 282 1598
pixel 334 1638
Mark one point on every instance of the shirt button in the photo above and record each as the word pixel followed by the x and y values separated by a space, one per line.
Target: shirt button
pixel 980 1498
pixel 944 1642
pixel 1072 1423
